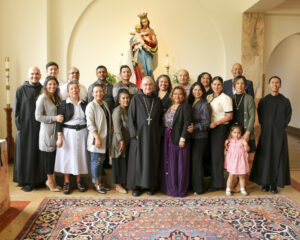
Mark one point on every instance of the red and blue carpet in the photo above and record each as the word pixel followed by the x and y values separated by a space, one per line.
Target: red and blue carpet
pixel 261 217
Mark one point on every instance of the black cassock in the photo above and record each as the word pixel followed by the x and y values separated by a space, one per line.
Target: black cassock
pixel 27 166
pixel 271 161
pixel 144 152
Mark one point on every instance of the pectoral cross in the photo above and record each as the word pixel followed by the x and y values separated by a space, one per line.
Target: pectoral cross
pixel 149 120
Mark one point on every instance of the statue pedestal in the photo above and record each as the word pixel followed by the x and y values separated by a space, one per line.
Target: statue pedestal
pixel 4 186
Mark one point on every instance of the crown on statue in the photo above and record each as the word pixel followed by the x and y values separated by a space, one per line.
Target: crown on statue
pixel 143 15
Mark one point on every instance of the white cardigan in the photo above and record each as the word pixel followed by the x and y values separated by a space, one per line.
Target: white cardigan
pixel 96 121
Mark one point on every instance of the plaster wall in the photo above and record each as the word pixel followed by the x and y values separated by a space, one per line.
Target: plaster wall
pixel 23 27
pixel 284 62
pixel 199 35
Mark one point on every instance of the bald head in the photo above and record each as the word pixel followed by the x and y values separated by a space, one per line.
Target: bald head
pixel 34 75
pixel 147 85
pixel 237 70
pixel 73 74
pixel 183 77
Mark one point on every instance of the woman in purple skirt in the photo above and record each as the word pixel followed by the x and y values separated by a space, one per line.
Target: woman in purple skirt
pixel 176 161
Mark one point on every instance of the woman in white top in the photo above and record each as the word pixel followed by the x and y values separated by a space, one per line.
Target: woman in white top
pixel 46 113
pixel 221 107
pixel 71 153
pixel 99 125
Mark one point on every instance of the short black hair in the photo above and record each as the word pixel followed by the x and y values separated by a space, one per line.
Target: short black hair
pixel 191 97
pixel 169 81
pixel 275 77
pixel 124 66
pixel 238 78
pixel 121 91
pixel 202 74
pixel 101 66
pixel 217 78
pixel 97 85
pixel 51 63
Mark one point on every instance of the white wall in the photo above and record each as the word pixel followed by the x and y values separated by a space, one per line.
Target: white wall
pixel 199 35
pixel 284 62
pixel 23 27
pixel 191 38
pixel 277 28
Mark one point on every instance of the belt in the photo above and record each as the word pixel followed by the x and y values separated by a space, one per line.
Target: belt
pixel 76 127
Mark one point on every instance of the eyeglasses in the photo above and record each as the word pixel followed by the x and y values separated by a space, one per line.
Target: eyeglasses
pixel 74 73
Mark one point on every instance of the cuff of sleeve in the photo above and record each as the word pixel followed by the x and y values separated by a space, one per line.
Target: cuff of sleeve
pixel 182 139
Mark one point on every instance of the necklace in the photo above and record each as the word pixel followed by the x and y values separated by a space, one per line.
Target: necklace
pixel 238 105
pixel 148 112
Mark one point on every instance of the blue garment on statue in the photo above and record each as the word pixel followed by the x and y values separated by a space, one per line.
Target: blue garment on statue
pixel 146 60
pixel 96 165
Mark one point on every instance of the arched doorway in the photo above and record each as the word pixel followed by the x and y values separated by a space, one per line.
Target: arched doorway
pixel 284 62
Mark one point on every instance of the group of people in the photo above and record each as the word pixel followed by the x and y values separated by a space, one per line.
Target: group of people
pixel 159 137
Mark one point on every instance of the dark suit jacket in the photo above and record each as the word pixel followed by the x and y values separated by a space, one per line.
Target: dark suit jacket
pixel 227 88
pixel 182 119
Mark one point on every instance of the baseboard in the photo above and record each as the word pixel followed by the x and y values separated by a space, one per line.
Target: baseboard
pixel 293 130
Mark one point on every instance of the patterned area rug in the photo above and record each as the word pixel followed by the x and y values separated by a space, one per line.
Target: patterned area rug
pixel 274 217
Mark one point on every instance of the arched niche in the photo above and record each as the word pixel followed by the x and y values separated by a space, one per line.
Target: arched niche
pixel 185 30
pixel 284 62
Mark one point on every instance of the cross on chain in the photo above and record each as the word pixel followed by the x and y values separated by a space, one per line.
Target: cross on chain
pixel 149 120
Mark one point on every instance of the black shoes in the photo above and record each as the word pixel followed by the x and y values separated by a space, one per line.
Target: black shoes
pixel 27 188
pixel 66 188
pixel 136 192
pixel 151 192
pixel 265 188
pixel 274 189
pixel 80 187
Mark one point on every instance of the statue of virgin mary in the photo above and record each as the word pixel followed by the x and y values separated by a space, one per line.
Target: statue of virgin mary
pixel 144 57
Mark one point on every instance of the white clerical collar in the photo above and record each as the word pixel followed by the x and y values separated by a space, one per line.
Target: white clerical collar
pixel 68 100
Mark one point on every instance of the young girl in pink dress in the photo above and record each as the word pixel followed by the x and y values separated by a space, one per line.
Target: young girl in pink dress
pixel 236 161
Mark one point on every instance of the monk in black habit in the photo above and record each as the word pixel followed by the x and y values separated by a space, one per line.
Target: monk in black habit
pixel 145 128
pixel 271 162
pixel 28 172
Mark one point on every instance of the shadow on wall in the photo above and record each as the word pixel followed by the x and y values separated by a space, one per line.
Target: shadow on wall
pixel 284 62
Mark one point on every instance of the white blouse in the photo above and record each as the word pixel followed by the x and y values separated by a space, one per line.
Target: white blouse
pixel 219 106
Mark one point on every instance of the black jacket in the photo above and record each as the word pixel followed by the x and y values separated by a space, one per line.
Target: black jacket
pixel 67 110
pixel 182 119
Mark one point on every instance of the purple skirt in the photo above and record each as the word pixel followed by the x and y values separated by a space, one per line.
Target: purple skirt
pixel 176 167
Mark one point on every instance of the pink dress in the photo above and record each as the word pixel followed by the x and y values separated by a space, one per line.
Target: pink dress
pixel 236 161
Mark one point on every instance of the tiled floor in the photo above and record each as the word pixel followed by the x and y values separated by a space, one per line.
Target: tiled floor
pixel 36 196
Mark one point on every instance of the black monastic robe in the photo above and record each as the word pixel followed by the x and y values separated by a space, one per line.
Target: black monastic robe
pixel 271 162
pixel 27 167
pixel 144 152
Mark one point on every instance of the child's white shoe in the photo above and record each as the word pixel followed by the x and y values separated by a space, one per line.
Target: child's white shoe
pixel 228 192
pixel 243 192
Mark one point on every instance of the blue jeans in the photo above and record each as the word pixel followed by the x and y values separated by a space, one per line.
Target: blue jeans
pixel 96 166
